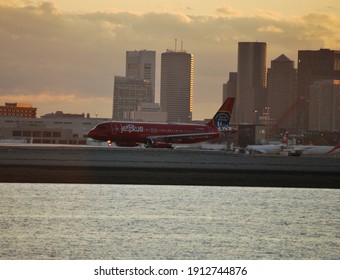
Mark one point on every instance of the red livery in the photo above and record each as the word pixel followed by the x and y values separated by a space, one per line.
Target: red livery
pixel 164 135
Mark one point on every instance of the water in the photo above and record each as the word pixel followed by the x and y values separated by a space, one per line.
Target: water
pixel 73 221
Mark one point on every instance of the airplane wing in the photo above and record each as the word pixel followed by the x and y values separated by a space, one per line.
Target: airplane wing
pixel 297 149
pixel 177 138
pixel 264 149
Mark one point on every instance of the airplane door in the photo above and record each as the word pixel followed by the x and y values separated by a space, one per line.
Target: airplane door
pixel 114 129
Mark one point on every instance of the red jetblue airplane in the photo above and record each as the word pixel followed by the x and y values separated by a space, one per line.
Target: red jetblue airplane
pixel 164 135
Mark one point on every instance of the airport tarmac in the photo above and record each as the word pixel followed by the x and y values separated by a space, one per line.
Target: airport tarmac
pixel 89 164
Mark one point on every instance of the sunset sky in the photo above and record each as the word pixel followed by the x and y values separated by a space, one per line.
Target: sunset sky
pixel 63 54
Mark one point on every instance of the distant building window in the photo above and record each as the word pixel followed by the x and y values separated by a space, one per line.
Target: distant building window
pixel 46 133
pixel 56 134
pixel 36 133
pixel 16 133
pixel 26 133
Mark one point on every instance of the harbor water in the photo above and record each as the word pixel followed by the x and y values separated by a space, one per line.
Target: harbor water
pixel 91 221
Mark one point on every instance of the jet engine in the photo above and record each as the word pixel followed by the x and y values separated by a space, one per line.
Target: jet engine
pixel 157 143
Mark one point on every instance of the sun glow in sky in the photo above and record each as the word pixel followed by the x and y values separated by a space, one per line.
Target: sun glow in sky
pixel 63 55
pixel 198 8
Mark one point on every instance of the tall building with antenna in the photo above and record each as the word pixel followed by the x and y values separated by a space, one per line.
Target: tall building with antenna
pixel 177 78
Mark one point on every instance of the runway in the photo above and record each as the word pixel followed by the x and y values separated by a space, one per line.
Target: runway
pixel 99 165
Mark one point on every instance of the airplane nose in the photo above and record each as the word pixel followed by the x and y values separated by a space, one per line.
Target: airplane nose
pixel 91 134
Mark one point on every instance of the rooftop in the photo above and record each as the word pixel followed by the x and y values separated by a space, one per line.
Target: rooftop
pixel 282 58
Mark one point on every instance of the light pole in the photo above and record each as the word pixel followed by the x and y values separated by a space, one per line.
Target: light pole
pixel 255 117
pixel 266 115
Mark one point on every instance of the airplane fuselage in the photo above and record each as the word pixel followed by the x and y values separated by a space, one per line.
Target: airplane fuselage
pixel 265 149
pixel 135 133
pixel 317 150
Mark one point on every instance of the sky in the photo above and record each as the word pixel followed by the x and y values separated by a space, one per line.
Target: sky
pixel 64 54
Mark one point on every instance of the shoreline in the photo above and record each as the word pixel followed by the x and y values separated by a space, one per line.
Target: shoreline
pixel 160 176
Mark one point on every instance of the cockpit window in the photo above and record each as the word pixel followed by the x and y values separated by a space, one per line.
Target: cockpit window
pixel 100 126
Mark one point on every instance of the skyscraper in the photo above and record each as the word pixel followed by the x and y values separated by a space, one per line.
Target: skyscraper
pixel 324 106
pixel 141 65
pixel 177 70
pixel 128 94
pixel 323 64
pixel 251 80
pixel 230 88
pixel 282 78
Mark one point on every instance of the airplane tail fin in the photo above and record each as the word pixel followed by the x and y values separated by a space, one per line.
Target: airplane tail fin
pixel 221 119
pixel 337 146
pixel 285 138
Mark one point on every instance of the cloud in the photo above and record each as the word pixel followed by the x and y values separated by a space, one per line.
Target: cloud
pixel 76 55
pixel 323 26
pixel 228 11
pixel 270 29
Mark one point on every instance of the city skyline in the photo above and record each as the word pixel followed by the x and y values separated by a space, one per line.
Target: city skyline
pixel 63 56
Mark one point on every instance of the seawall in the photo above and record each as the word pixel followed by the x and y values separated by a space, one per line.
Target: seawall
pixel 107 165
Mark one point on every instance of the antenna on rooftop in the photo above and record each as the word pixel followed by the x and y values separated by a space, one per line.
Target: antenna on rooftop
pixel 175 44
pixel 181 46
